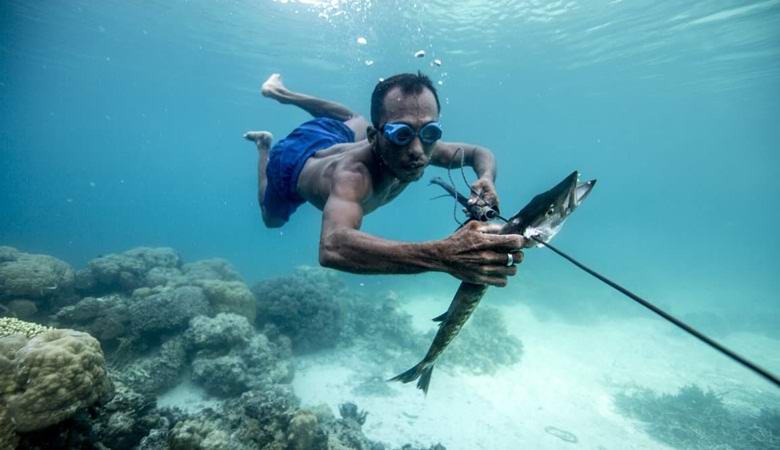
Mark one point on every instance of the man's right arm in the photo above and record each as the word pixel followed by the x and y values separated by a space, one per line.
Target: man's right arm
pixel 472 254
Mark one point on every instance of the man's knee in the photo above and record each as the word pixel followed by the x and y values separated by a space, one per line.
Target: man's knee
pixel 358 125
pixel 271 221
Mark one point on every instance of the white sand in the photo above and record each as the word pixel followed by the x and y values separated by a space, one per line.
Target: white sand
pixel 188 397
pixel 566 379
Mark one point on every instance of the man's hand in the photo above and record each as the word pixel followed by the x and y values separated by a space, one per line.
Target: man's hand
pixel 483 191
pixel 476 254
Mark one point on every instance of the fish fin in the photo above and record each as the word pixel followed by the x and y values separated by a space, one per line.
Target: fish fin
pixel 425 379
pixel 421 371
pixel 408 376
pixel 442 317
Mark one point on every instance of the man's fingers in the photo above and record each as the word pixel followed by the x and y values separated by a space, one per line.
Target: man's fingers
pixel 505 242
pixel 501 259
pixel 495 281
pixel 488 228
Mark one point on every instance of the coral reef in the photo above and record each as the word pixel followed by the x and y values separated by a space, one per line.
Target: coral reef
pixel 165 310
pixel 47 378
pixel 124 271
pixel 695 419
pixel 161 369
pixel 144 280
pixel 9 326
pixel 106 318
pixel 162 321
pixel 230 358
pixel 30 282
pixel 304 306
pixel 379 328
pixel 210 269
pixel 483 345
pixel 222 331
pixel 229 296
pixel 126 419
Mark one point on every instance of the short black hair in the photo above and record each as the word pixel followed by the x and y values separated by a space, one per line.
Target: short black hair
pixel 410 83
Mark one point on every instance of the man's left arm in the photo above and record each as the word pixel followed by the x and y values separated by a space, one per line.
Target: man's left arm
pixel 454 154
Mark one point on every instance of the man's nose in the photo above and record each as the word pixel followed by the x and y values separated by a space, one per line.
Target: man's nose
pixel 415 149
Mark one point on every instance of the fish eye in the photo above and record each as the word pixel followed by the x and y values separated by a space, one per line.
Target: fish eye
pixel 550 211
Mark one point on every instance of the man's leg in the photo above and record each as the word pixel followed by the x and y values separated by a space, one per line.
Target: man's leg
pixel 317 107
pixel 263 141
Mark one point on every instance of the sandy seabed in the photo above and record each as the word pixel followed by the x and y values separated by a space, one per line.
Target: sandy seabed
pixel 564 383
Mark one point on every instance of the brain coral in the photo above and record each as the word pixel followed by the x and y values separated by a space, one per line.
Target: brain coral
pixel 45 379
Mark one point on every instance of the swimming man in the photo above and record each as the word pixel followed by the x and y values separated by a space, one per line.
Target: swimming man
pixel 347 168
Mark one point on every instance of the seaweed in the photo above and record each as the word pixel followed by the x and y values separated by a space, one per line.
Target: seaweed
pixel 695 419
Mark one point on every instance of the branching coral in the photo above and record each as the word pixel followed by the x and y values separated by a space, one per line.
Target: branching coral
pixel 9 326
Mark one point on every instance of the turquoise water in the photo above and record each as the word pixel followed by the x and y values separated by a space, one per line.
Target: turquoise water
pixel 121 124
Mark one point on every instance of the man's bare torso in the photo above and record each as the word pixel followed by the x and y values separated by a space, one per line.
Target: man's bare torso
pixel 316 179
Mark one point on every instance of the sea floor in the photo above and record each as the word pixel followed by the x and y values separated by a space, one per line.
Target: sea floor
pixel 562 387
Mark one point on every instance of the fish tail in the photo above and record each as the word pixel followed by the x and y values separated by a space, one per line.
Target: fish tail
pixel 425 379
pixel 421 371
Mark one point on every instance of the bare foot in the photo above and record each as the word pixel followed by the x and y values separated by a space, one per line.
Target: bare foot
pixel 274 88
pixel 262 139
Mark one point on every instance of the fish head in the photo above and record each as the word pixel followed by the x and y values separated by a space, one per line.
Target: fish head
pixel 545 214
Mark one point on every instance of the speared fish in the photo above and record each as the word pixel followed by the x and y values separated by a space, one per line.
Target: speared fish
pixel 539 221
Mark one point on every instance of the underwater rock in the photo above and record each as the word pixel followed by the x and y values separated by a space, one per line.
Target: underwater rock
pixel 41 279
pixel 304 306
pixel 49 377
pixel 225 330
pixel 165 310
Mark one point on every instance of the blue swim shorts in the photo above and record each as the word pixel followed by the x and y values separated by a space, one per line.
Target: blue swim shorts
pixel 288 157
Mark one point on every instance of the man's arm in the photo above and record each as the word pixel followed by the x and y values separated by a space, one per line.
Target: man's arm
pixel 471 254
pixel 453 154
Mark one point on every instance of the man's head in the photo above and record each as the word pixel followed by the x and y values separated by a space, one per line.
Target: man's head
pixel 405 100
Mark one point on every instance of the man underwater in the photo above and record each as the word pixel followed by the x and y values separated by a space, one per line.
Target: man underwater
pixel 347 168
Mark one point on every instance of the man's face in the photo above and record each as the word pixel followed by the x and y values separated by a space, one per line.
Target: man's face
pixel 408 162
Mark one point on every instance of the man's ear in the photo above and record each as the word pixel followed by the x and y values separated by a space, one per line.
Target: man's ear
pixel 371 134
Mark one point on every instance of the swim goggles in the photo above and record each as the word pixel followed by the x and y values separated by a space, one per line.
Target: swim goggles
pixel 402 134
